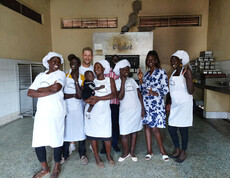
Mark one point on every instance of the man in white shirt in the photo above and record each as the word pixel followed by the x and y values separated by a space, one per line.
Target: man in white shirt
pixel 87 55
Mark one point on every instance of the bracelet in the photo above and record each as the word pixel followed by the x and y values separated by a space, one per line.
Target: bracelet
pixel 76 82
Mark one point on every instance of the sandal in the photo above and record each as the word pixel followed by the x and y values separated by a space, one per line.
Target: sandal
pixel 148 156
pixel 165 158
pixel 55 174
pixel 41 173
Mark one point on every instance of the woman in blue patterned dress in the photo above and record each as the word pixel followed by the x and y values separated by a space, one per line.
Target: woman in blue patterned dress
pixel 154 86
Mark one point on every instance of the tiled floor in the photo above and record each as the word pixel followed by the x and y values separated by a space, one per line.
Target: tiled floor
pixel 208 153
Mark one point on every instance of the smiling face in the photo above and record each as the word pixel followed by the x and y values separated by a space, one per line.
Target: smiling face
pixel 151 61
pixel 54 64
pixel 98 69
pixel 125 71
pixel 74 64
pixel 87 57
pixel 175 62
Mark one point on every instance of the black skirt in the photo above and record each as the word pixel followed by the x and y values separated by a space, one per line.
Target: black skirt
pixel 98 138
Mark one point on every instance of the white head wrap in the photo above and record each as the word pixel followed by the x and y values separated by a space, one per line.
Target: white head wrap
pixel 121 64
pixel 49 56
pixel 181 54
pixel 105 65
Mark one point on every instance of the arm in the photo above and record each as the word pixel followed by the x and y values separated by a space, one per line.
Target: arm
pixel 188 77
pixel 46 91
pixel 100 87
pixel 121 93
pixel 168 103
pixel 164 84
pixel 142 104
pixel 68 96
pixel 94 99
pixel 75 76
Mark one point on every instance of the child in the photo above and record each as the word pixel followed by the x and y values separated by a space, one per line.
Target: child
pixel 88 89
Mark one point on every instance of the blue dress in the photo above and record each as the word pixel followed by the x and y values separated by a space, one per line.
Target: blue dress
pixel 154 105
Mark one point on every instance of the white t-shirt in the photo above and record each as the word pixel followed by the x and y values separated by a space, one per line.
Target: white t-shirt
pixel 82 69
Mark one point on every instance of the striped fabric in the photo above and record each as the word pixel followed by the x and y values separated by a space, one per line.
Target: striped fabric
pixel 115 77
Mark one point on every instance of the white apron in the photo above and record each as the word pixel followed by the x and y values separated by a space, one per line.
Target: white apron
pixel 49 118
pixel 99 124
pixel 74 122
pixel 181 112
pixel 130 108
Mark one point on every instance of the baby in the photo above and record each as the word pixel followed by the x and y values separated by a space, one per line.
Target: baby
pixel 88 89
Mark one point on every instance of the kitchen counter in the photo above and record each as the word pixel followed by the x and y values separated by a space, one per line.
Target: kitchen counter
pixel 214 87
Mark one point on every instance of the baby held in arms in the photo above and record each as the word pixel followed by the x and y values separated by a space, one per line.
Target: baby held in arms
pixel 89 89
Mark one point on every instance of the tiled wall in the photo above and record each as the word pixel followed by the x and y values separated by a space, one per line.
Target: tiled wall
pixel 9 90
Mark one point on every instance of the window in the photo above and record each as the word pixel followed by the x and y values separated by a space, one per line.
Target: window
pixel 169 21
pixel 22 9
pixel 89 23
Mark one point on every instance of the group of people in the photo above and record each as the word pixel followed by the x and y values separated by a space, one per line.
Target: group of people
pixel 101 103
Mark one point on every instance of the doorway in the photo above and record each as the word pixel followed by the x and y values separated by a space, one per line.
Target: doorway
pixel 27 73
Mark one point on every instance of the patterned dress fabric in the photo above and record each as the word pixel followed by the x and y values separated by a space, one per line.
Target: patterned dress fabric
pixel 154 105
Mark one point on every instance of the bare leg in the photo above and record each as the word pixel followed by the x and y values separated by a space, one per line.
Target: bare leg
pixel 158 137
pixel 125 144
pixel 148 138
pixel 133 143
pixel 94 144
pixel 108 150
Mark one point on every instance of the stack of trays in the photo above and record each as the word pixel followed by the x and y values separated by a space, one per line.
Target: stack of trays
pixel 204 64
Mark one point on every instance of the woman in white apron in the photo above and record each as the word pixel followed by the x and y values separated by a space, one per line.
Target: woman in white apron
pixel 154 86
pixel 99 127
pixel 74 122
pixel 131 109
pixel 181 102
pixel 49 118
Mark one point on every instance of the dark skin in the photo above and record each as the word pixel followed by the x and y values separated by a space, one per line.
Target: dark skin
pixel 74 65
pixel 124 73
pixel 99 71
pixel 89 76
pixel 54 65
pixel 151 64
pixel 114 61
pixel 176 64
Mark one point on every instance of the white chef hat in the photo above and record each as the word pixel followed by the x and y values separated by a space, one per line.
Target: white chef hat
pixel 181 54
pixel 121 64
pixel 105 65
pixel 49 56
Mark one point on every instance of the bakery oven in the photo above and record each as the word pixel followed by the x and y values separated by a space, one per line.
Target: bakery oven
pixel 132 46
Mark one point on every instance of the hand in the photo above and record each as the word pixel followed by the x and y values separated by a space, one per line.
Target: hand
pixel 167 108
pixel 123 78
pixel 152 93
pixel 75 76
pixel 102 86
pixel 142 113
pixel 140 74
pixel 92 100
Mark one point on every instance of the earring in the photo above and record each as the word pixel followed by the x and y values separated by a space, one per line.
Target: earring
pixel 180 65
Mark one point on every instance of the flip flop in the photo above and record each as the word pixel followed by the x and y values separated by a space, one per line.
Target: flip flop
pixel 165 158
pixel 148 157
